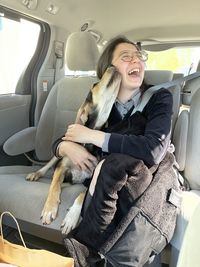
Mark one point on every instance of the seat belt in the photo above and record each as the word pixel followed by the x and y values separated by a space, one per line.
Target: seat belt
pixel 59 54
pixel 58 66
pixel 149 92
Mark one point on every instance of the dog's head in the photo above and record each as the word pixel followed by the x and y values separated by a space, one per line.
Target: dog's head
pixel 97 107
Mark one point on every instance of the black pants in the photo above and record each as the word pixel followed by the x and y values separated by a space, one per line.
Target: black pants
pixel 122 179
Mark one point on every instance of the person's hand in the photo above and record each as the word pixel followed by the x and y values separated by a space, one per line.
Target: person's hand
pixel 79 156
pixel 82 134
pixel 78 133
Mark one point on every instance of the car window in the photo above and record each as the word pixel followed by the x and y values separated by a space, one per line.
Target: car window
pixel 178 60
pixel 18 41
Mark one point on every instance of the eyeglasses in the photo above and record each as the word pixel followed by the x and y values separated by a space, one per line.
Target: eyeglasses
pixel 141 55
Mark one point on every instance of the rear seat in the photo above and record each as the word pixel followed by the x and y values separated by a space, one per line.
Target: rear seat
pixel 187 142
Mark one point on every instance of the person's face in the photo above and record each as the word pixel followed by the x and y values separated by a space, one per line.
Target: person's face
pixel 129 64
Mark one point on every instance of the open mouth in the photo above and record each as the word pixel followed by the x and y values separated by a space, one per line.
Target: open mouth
pixel 134 72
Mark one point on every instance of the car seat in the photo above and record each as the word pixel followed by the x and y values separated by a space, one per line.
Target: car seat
pixel 187 152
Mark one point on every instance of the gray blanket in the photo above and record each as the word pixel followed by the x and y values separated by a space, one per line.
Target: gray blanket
pixel 132 214
pixel 159 204
pixel 126 187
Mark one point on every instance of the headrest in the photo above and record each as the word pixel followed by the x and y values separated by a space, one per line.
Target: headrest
pixel 155 77
pixel 190 89
pixel 81 51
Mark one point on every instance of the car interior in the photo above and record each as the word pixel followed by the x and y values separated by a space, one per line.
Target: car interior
pixel 49 51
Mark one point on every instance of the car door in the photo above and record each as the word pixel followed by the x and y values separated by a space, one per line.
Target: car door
pixel 23 46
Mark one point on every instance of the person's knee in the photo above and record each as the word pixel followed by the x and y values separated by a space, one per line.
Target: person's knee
pixel 115 166
pixel 121 162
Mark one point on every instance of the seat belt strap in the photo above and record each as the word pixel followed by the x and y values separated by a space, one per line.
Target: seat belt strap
pixel 58 66
pixel 59 54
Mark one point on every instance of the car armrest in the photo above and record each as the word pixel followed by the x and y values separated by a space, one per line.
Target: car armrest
pixel 21 142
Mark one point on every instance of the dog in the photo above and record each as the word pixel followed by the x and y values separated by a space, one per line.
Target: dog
pixel 93 113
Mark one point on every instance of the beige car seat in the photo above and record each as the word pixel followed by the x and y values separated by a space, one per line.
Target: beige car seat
pixel 186 138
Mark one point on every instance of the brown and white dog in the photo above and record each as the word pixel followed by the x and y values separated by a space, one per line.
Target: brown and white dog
pixel 93 113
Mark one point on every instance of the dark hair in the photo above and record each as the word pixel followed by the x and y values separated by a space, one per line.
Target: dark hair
pixel 106 57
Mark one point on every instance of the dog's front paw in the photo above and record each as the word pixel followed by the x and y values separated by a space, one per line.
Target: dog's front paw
pixel 49 212
pixel 71 219
pixel 34 176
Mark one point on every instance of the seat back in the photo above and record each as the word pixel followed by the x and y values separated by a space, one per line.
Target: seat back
pixel 187 132
pixel 155 77
pixel 192 160
pixel 67 94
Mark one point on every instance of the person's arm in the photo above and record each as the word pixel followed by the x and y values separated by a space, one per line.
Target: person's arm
pixel 79 156
pixel 55 147
pixel 152 146
pixel 84 135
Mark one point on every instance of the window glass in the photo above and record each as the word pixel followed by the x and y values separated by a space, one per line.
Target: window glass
pixel 18 41
pixel 179 60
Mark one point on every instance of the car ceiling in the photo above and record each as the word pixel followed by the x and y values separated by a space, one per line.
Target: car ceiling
pixel 152 22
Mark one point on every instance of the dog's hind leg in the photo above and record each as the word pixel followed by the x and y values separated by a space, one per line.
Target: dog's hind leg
pixel 73 215
pixel 34 176
pixel 50 209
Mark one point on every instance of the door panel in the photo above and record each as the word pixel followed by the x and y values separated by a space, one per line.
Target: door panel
pixel 14 114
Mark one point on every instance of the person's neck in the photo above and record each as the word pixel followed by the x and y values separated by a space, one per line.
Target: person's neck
pixel 125 94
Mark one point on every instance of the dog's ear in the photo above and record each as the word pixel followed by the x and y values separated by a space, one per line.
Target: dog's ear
pixel 83 117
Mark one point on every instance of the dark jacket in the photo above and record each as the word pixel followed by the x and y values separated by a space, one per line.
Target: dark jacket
pixel 152 145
